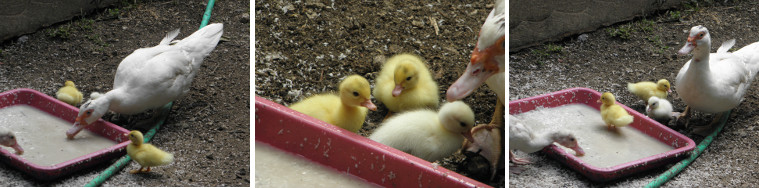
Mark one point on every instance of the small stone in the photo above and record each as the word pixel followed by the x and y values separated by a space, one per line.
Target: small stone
pixel 417 23
pixel 582 38
pixel 23 39
pixel 245 18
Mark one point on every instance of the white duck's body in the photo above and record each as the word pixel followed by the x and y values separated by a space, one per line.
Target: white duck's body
pixel 152 77
pixel 659 109
pixel 524 139
pixel 715 82
pixel 428 134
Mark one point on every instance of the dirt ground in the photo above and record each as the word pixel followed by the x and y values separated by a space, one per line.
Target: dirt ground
pixel 208 130
pixel 603 62
pixel 306 48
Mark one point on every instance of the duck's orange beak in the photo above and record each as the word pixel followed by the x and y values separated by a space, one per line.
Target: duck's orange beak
pixel 79 124
pixel 397 91
pixel 15 146
pixel 368 104
pixel 482 65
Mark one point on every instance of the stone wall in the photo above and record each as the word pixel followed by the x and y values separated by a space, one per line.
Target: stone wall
pixel 18 17
pixel 533 22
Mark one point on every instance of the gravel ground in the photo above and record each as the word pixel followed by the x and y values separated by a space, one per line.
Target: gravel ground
pixel 208 130
pixel 306 48
pixel 606 63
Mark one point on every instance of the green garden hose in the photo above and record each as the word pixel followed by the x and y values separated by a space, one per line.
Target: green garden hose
pixel 123 161
pixel 672 172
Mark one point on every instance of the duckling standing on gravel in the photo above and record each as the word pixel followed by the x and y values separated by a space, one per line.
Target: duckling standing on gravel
pixel 146 155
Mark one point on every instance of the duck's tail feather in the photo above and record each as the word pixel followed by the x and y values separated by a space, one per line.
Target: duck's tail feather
pixel 198 45
pixel 169 36
pixel 623 121
pixel 750 55
pixel 726 46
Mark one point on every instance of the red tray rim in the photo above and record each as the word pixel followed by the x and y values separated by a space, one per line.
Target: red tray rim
pixel 363 143
pixel 630 166
pixel 54 171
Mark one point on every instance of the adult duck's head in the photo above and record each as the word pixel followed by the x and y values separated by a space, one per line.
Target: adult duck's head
pixel 8 139
pixel 698 38
pixel 89 112
pixel 488 57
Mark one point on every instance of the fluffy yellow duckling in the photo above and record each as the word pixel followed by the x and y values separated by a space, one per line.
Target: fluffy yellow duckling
pixel 613 114
pixel 645 90
pixel 428 134
pixel 346 110
pixel 146 155
pixel 69 94
pixel 405 84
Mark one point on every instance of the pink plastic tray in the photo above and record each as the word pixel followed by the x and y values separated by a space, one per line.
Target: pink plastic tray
pixel 68 113
pixel 348 152
pixel 681 143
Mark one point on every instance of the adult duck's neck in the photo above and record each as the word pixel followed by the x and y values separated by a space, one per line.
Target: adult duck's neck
pixel 701 57
pixel 541 141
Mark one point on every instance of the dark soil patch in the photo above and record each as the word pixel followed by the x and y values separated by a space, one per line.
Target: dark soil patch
pixel 306 48
pixel 208 130
pixel 605 62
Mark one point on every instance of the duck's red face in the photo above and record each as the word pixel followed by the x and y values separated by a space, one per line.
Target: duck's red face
pixel 483 64
pixel 79 123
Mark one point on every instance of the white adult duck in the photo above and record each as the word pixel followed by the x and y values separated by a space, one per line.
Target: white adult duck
pixel 522 138
pixel 716 82
pixel 487 64
pixel 152 77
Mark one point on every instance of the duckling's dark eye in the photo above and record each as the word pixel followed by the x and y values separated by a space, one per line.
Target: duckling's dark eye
pixel 13 137
pixel 408 78
pixel 572 139
pixel 463 124
pixel 355 94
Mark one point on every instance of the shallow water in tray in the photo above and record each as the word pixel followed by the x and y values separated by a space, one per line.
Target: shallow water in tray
pixel 276 168
pixel 603 148
pixel 43 136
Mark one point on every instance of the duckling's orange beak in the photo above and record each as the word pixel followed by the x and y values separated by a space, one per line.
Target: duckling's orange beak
pixel 368 104
pixel 397 91
pixel 79 124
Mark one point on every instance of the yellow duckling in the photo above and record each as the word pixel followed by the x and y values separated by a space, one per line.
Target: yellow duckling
pixel 345 110
pixel 613 114
pixel 146 155
pixel 645 90
pixel 405 84
pixel 69 94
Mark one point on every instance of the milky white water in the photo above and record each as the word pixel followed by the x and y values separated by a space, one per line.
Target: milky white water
pixel 43 136
pixel 603 148
pixel 276 168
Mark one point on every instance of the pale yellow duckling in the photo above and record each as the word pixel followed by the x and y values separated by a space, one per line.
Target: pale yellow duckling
pixel 645 90
pixel 69 94
pixel 146 155
pixel 405 84
pixel 428 134
pixel 613 114
pixel 346 110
